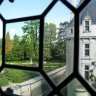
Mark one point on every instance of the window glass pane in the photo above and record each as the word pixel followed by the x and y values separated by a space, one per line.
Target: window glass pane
pixel 22 43
pixel 87 28
pixel 87 23
pixel 23 83
pixel 86 52
pixel 86 67
pixel 74 88
pixel 86 49
pixel 71 30
pixel 87 75
pixel 75 3
pixel 58 43
pixel 23 8
pixel 86 45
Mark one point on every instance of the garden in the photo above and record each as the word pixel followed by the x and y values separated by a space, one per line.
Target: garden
pixel 24 51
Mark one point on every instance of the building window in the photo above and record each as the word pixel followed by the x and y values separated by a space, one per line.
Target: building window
pixel 71 30
pixel 87 26
pixel 86 72
pixel 86 49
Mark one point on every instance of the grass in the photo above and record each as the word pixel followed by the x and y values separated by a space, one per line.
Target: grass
pixel 15 76
pixel 18 76
pixel 24 63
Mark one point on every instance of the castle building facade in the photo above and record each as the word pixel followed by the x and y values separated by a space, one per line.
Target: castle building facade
pixel 87 41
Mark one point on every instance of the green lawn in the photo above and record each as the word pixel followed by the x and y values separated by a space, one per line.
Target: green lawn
pixel 17 76
pixel 24 63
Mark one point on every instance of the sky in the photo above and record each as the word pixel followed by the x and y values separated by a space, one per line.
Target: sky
pixel 24 8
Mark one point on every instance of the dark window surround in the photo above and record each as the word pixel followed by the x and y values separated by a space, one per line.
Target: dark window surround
pixel 75 74
pixel 87 72
pixel 87 26
pixel 71 30
pixel 87 49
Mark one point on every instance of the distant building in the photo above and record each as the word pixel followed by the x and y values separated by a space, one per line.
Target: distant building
pixel 87 41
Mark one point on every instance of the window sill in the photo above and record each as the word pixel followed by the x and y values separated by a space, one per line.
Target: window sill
pixel 86 31
pixel 86 58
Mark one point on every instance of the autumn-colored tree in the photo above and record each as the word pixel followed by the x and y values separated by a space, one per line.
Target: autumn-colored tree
pixel 9 45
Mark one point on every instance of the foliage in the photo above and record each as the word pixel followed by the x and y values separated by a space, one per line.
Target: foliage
pixel 92 75
pixel 9 44
pixel 49 37
pixel 26 47
pixel 3 81
pixel 15 76
pixel 31 30
pixel 17 51
pixel 9 47
pixel 58 49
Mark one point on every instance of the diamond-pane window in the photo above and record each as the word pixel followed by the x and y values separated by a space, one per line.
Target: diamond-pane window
pixel 45 47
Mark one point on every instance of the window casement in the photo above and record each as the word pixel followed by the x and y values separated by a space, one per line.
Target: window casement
pixel 87 51
pixel 56 90
pixel 87 72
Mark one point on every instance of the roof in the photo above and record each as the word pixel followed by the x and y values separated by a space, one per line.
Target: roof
pixel 90 9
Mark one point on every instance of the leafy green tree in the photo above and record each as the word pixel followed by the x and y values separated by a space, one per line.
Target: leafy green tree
pixel 25 48
pixel 31 30
pixel 49 38
pixel 17 51
pixel 58 50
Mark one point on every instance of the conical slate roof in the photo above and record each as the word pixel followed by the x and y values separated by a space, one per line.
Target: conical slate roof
pixel 90 9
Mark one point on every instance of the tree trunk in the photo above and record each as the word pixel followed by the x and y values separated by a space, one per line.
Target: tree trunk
pixel 31 62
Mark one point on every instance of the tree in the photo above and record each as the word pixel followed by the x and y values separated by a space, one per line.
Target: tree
pixel 25 48
pixel 9 44
pixel 17 51
pixel 49 38
pixel 31 31
pixel 8 47
pixel 92 74
pixel 58 50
